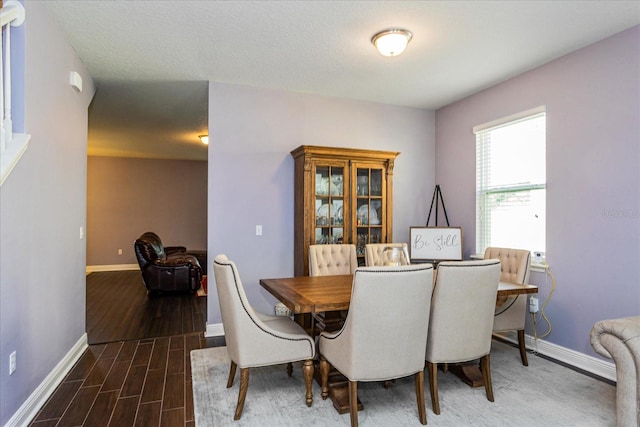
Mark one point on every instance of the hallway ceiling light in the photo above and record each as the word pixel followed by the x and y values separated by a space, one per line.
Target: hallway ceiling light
pixel 392 42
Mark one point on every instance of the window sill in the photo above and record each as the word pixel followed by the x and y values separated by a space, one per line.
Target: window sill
pixel 12 154
pixel 535 266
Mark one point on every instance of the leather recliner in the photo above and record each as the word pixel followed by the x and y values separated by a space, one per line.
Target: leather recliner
pixel 166 269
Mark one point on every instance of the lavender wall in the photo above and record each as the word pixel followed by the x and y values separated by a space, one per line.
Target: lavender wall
pixel 592 98
pixel 42 207
pixel 127 196
pixel 251 170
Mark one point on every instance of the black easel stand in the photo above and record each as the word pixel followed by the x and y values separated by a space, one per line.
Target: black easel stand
pixel 437 195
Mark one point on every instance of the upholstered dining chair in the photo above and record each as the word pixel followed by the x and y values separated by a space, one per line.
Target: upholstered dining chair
pixel 461 320
pixel 255 339
pixel 325 260
pixel 374 253
pixel 328 260
pixel 511 312
pixel 371 347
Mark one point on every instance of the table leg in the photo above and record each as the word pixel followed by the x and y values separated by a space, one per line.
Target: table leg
pixel 338 390
pixel 469 373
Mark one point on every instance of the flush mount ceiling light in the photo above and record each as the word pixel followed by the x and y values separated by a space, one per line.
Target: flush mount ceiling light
pixel 204 139
pixel 392 42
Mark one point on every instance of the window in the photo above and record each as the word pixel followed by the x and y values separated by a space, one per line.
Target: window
pixel 511 182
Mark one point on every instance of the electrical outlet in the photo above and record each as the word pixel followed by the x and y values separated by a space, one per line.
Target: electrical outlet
pixel 12 363
pixel 258 230
pixel 533 304
pixel 119 251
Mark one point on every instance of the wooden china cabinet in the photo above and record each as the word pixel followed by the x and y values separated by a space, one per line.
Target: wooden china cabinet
pixel 342 195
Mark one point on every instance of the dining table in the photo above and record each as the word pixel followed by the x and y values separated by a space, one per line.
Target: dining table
pixel 307 295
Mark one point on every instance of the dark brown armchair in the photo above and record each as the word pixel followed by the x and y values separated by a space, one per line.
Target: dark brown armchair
pixel 169 268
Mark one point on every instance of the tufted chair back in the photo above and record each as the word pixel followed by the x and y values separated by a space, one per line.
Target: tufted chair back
pixel 373 252
pixel 515 263
pixel 325 260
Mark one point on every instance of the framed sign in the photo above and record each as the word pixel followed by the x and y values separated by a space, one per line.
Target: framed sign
pixel 435 243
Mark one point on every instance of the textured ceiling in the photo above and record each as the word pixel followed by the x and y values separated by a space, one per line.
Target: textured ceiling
pixel 319 47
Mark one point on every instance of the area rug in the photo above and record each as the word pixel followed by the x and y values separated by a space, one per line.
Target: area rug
pixel 542 394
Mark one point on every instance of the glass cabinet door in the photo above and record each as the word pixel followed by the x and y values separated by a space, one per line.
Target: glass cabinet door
pixel 369 207
pixel 329 204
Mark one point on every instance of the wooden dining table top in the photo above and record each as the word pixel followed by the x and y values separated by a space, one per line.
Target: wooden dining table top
pixel 307 294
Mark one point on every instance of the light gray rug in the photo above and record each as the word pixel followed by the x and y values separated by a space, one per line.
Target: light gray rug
pixel 542 394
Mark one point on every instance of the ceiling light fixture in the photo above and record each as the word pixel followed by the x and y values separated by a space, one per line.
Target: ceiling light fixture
pixel 392 42
pixel 204 139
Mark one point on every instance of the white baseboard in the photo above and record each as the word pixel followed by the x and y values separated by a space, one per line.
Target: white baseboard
pixel 214 330
pixel 29 409
pixel 114 267
pixel 593 365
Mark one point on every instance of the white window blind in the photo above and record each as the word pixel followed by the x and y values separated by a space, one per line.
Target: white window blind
pixel 511 182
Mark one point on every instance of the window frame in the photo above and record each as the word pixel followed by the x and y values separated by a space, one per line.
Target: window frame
pixel 484 192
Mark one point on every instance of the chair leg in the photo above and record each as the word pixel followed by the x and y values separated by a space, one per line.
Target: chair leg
pixel 232 374
pixel 244 383
pixel 307 371
pixel 486 377
pixel 324 375
pixel 422 411
pixel 523 348
pixel 432 369
pixel 353 402
pixel 289 368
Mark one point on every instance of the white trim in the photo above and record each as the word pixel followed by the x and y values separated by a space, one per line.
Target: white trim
pixel 29 409
pixel 510 119
pixel 593 365
pixel 214 330
pixel 114 267
pixel 12 12
pixel 13 153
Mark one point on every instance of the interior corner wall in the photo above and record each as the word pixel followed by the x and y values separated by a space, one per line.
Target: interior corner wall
pixel 592 99
pixel 42 208
pixel 129 196
pixel 251 171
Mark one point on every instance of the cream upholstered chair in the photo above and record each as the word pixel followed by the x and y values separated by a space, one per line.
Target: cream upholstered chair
pixel 374 252
pixel 255 339
pixel 511 312
pixel 461 320
pixel 328 260
pixel 325 260
pixel 371 347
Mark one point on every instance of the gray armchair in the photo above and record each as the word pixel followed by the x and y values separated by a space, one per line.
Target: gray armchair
pixel 372 347
pixel 461 320
pixel 619 339
pixel 255 339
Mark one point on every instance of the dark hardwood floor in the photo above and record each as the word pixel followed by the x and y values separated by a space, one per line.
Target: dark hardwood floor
pixel 118 309
pixel 137 370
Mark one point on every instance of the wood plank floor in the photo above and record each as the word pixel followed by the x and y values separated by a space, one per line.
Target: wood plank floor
pixel 124 381
pixel 118 308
